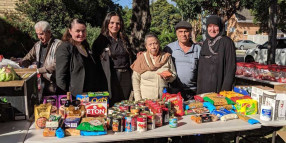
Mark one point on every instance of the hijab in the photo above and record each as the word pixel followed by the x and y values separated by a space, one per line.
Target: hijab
pixel 213 19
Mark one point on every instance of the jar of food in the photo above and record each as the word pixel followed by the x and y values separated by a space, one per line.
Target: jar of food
pixel 248 69
pixel 282 75
pixel 239 68
pixel 275 72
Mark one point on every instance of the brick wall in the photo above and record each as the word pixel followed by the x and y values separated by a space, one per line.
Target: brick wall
pixel 7 6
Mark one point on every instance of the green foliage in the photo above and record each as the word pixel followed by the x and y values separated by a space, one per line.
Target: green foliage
pixel 126 15
pixel 92 33
pixel 15 43
pixel 189 9
pixel 164 17
pixel 260 10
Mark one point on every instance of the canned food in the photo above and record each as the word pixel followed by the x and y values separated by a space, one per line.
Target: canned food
pixel 124 107
pixel 134 122
pixel 158 119
pixel 144 113
pixel 116 127
pixel 128 124
pixel 150 122
pixel 141 123
pixel 134 109
pixel 121 120
pixel 109 122
pixel 111 110
pixel 173 122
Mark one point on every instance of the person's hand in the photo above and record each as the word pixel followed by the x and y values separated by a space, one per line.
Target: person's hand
pixel 165 74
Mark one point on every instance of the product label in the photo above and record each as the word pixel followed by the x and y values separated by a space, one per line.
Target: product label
pixel 266 113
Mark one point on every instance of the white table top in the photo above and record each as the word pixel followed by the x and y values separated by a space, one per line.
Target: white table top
pixel 185 127
pixel 269 123
pixel 14 131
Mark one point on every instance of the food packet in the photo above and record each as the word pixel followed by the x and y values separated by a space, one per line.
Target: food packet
pixel 42 114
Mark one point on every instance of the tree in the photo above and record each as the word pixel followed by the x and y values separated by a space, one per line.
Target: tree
pixel 140 23
pixel 59 12
pixel 164 18
pixel 223 8
pixel 126 15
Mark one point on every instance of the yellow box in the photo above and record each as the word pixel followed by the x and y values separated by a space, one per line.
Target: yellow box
pixel 246 106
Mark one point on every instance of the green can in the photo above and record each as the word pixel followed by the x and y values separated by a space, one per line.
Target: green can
pixel 173 122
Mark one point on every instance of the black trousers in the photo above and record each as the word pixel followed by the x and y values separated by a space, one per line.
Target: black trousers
pixel 120 85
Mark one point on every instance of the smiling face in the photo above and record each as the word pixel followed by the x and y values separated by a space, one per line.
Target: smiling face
pixel 44 37
pixel 152 45
pixel 183 35
pixel 78 32
pixel 114 25
pixel 213 30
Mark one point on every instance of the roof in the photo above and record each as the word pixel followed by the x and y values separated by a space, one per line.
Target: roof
pixel 244 16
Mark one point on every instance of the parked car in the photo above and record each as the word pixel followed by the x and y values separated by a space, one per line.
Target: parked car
pixel 259 54
pixel 245 44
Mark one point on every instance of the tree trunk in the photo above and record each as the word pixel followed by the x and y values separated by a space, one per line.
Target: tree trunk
pixel 140 23
pixel 272 37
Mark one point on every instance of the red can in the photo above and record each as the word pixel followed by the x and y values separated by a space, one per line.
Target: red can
pixel 134 122
pixel 142 123
pixel 124 108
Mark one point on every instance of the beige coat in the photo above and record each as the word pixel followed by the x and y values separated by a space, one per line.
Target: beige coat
pixel 149 84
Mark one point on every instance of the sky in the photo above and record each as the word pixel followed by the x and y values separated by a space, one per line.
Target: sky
pixel 128 3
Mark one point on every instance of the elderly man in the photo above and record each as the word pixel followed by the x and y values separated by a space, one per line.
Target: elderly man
pixel 152 70
pixel 185 55
pixel 43 53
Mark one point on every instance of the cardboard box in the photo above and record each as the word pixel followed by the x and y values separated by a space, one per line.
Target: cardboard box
pixel 22 94
pixel 277 100
pixel 257 94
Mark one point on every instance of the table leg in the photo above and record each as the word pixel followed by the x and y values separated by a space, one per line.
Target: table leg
pixel 273 136
pixel 237 138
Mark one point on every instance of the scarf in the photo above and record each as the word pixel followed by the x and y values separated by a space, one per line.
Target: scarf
pixel 140 65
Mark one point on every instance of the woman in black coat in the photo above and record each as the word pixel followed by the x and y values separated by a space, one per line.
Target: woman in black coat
pixel 113 48
pixel 77 70
pixel 217 63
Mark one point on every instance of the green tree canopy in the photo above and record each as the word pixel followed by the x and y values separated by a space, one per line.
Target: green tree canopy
pixel 164 17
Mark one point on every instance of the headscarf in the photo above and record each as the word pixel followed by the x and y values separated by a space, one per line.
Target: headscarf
pixel 213 19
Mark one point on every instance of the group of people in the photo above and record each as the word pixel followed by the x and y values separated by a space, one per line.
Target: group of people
pixel 110 64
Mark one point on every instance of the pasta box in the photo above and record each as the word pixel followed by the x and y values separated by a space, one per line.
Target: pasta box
pixel 96 109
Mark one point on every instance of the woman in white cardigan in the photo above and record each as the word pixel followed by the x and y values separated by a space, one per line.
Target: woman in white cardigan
pixel 152 71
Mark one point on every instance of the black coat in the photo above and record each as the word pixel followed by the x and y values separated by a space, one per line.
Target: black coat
pixel 216 72
pixel 70 69
pixel 100 49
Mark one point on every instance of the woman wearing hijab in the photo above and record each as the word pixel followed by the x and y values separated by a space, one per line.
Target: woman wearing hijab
pixel 114 50
pixel 217 63
pixel 152 71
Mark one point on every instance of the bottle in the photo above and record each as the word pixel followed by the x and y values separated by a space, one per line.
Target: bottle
pixel 69 101
pixel 67 104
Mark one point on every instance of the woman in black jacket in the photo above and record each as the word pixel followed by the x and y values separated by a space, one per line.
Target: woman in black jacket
pixel 217 63
pixel 113 48
pixel 77 70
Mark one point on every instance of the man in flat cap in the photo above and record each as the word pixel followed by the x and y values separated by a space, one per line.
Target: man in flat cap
pixel 185 55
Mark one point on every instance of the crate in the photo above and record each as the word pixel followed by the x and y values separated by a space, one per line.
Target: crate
pixel 22 94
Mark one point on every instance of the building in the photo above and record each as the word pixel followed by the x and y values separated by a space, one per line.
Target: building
pixel 7 6
pixel 241 27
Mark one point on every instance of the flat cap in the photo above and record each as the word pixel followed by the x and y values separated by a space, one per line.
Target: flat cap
pixel 183 24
